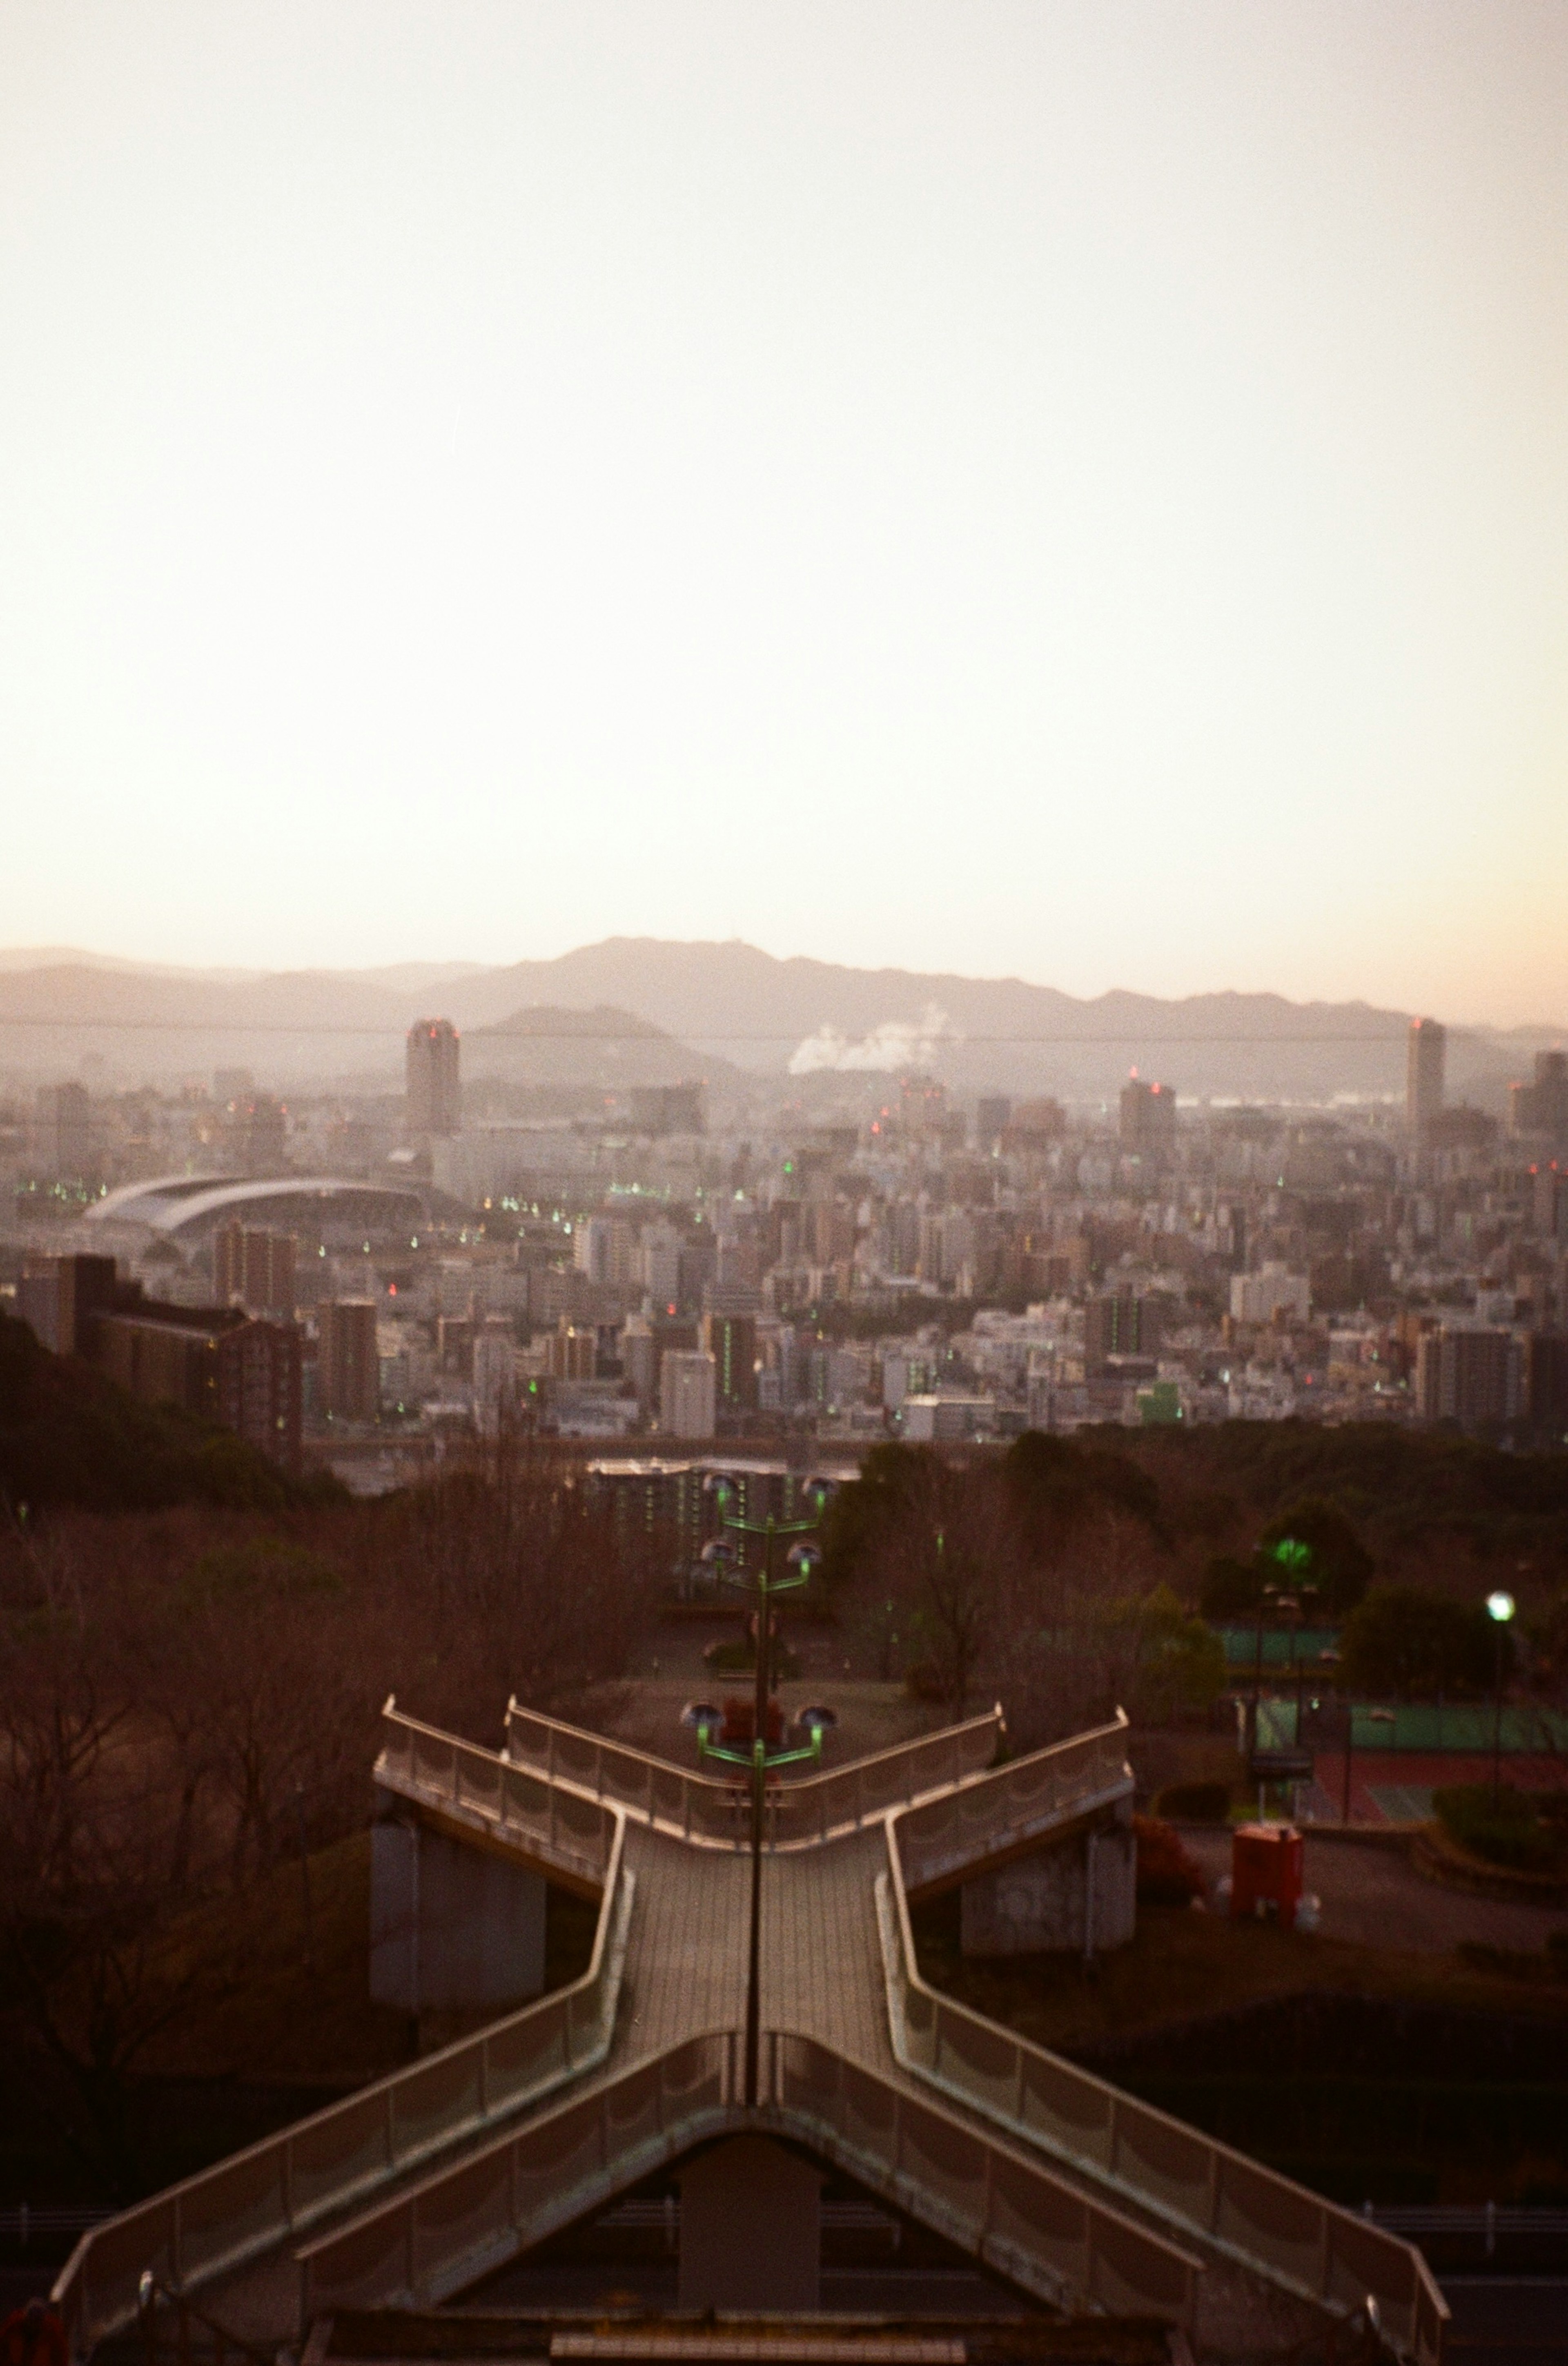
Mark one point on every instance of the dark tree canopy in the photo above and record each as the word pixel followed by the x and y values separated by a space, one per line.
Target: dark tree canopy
pixel 1405 1642
pixel 68 1435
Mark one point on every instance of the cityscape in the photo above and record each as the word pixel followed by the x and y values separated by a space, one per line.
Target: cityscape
pixel 363 1279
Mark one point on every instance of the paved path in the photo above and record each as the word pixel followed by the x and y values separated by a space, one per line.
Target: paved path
pixel 1375 1897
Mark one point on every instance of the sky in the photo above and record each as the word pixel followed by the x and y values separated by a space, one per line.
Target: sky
pixel 1078 491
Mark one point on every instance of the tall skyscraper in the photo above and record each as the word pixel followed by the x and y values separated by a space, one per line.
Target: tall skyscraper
pixel 1148 1116
pixel 348 1367
pixel 1542 1108
pixel 434 1082
pixel 687 1392
pixel 1424 1073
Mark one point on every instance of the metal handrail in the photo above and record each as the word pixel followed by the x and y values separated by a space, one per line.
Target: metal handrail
pixel 428 1764
pixel 1018 1801
pixel 1199 2188
pixel 427 2243
pixel 245 2204
pixel 711 1813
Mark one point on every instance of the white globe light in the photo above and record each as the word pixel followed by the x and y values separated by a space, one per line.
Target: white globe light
pixel 1500 1606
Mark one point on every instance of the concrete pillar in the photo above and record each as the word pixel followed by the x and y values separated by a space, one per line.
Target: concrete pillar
pixel 750 2228
pixel 1038 1903
pixel 452 1927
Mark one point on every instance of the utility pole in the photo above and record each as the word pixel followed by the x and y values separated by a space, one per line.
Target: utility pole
pixel 802 1559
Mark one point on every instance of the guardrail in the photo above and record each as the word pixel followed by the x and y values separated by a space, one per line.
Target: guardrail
pixel 993 2199
pixel 1483 2221
pixel 717 1814
pixel 259 2198
pixel 1199 2188
pixel 458 2226
pixel 572 1835
pixel 1013 1803
pixel 425 2245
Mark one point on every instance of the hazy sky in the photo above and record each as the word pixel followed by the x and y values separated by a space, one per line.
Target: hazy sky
pixel 1072 489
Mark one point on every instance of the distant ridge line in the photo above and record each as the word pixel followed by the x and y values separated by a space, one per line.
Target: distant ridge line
pixel 640 1034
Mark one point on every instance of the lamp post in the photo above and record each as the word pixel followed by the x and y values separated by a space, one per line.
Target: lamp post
pixel 1500 1610
pixel 801 1560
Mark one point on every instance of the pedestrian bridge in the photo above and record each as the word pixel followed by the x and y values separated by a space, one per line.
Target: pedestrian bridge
pixel 414 2189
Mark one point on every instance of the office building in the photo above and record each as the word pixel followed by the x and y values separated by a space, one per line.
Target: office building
pixel 991 1114
pixel 254 1269
pixel 1546 1382
pixel 1120 1322
pixel 570 1353
pixel 348 1374
pixel 62 1134
pixel 665 1108
pixel 1147 1118
pixel 605 1248
pixel 687 1394
pixel 731 1341
pixel 1424 1075
pixel 1470 1376
pixel 59 1298
pixel 212 1361
pixel 1549 1193
pixel 1263 1297
pixel 434 1079
pixel 1541 1108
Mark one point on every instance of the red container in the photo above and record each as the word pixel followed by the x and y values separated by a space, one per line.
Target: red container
pixel 1266 1864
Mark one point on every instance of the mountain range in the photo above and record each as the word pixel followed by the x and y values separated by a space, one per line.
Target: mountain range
pixel 721 1009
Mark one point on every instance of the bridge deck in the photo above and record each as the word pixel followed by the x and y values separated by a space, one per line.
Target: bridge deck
pixel 824 1981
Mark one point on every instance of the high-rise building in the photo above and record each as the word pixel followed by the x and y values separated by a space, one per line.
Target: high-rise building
pixel 605 1248
pixel 1424 1073
pixel 1546 1381
pixel 1541 1108
pixel 253 1269
pixel 1148 1116
pixel 991 1114
pixel 349 1365
pixel 1470 1376
pixel 686 1390
pixel 434 1079
pixel 1120 1322
pixel 731 1341
pixel 666 1108
pixel 62 1134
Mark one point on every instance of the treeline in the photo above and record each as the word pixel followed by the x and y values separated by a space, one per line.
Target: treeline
pixel 70 1434
pixel 187 1695
pixel 1044 1580
pixel 1067 1575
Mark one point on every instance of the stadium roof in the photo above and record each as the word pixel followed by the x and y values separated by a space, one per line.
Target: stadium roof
pixel 187 1205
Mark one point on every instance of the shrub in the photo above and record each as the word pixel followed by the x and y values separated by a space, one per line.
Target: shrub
pixel 1195 1803
pixel 1167 1873
pixel 1506 1832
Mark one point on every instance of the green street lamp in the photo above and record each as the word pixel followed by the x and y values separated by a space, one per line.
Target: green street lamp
pixel 1500 1610
pixel 800 1563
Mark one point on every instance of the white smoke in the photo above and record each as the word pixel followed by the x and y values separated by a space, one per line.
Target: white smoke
pixel 896 1043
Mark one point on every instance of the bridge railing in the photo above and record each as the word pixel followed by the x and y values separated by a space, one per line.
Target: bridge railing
pixel 1195 2185
pixel 1012 1803
pixel 574 1836
pixel 263 2196
pixel 717 1812
pixel 427 2243
pixel 991 2199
